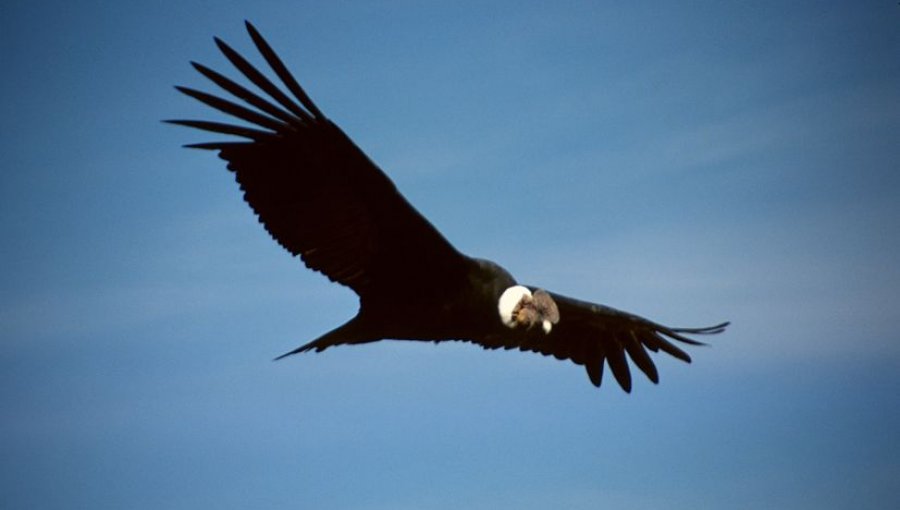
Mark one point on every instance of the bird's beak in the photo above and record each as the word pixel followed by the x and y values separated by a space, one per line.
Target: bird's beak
pixel 547 325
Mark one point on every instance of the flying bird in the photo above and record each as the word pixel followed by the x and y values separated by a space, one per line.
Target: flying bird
pixel 324 200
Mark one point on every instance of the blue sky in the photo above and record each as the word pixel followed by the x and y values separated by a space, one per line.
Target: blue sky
pixel 694 163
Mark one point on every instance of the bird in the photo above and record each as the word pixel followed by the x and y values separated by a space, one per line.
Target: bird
pixel 325 201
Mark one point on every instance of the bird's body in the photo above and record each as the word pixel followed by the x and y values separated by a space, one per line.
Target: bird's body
pixel 323 200
pixel 456 308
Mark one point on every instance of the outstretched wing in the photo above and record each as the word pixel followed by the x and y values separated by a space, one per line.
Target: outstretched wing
pixel 591 335
pixel 314 190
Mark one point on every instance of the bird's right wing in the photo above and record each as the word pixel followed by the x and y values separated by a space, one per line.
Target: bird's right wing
pixel 315 191
pixel 592 335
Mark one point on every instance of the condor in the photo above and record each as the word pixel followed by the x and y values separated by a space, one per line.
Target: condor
pixel 324 200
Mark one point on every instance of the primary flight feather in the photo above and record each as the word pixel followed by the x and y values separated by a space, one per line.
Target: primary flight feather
pixel 324 200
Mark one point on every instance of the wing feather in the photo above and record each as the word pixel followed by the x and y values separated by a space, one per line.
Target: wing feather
pixel 246 95
pixel 235 110
pixel 639 355
pixel 619 366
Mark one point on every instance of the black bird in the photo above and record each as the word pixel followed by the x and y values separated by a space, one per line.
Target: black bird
pixel 324 200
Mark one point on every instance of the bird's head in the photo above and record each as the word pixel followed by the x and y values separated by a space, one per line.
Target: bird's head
pixel 519 307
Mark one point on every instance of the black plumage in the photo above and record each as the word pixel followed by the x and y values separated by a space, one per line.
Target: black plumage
pixel 322 199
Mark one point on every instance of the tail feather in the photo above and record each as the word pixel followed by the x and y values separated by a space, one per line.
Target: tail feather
pixel 349 333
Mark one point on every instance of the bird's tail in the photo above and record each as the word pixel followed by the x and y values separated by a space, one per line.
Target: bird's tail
pixel 348 333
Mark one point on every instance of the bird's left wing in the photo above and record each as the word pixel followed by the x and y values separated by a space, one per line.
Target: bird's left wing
pixel 593 335
pixel 315 191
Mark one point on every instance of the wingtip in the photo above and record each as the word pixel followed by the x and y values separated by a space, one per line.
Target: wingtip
pixel 203 146
pixel 250 28
pixel 708 330
pixel 595 373
pixel 222 45
pixel 718 328
pixel 624 380
pixel 184 122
